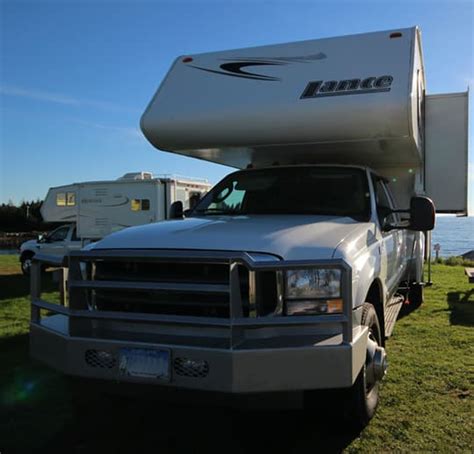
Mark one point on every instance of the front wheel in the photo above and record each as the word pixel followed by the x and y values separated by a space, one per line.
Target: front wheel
pixel 363 396
pixel 25 263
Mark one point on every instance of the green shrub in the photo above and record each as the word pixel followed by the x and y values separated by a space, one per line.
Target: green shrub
pixel 455 261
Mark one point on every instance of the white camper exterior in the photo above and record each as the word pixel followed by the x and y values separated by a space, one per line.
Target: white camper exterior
pixel 356 99
pixel 103 207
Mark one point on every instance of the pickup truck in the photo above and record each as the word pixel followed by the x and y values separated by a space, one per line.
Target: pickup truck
pixel 281 279
pixel 56 243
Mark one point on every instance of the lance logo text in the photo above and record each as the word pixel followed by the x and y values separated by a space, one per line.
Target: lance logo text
pixel 321 88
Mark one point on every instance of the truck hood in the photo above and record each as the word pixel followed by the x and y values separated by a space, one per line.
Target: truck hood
pixel 291 237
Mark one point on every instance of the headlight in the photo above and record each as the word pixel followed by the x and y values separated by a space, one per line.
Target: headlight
pixel 313 291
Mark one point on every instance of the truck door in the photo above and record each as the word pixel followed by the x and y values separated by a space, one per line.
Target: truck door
pixel 55 243
pixel 74 243
pixel 393 241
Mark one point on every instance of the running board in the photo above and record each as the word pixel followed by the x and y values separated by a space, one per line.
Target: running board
pixel 391 313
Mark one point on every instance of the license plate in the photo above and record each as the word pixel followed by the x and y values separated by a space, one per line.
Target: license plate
pixel 147 363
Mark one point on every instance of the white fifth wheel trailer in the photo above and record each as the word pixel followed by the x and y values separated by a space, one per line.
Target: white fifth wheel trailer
pixel 289 274
pixel 94 209
pixel 103 207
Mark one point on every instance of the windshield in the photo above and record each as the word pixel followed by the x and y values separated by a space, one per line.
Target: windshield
pixel 336 191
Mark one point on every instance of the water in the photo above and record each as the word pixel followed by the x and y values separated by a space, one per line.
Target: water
pixel 454 235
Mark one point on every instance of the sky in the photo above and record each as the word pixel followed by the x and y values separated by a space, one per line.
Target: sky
pixel 75 76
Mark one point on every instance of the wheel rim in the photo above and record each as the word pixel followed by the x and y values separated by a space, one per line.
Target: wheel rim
pixel 26 265
pixel 372 343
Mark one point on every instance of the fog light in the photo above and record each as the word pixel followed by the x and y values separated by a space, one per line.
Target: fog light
pixel 187 367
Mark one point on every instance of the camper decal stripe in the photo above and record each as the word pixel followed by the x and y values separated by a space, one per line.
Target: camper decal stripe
pixel 234 67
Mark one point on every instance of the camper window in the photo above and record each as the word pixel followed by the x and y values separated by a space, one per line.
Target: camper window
pixel 61 199
pixel 140 204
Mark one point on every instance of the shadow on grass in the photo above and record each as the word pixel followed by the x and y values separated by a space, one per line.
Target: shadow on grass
pixel 407 309
pixel 18 286
pixel 42 412
pixel 32 397
pixel 461 307
pixel 139 426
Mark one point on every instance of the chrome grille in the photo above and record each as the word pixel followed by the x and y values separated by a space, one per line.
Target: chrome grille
pixel 172 287
pixel 164 288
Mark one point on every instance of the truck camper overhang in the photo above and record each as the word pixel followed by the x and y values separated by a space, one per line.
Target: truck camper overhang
pixel 352 97
pixel 357 99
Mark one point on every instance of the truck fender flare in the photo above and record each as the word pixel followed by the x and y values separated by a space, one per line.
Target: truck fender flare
pixel 375 296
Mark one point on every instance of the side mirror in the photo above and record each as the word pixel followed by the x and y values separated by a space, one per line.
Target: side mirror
pixel 176 210
pixel 422 214
pixel 40 238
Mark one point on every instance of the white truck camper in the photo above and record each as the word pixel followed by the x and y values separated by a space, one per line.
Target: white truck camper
pixel 289 274
pixel 94 209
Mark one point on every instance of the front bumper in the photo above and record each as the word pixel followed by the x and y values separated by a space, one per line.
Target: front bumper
pixel 239 354
pixel 327 363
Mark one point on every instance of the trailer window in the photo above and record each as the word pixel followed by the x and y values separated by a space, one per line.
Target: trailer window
pixel 71 199
pixel 140 204
pixel 194 199
pixel 145 205
pixel 61 199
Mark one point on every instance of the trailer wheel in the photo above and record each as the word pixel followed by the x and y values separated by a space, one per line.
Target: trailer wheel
pixel 363 396
pixel 415 295
pixel 25 263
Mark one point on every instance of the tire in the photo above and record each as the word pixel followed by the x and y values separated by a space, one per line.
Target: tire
pixel 25 263
pixel 415 295
pixel 363 396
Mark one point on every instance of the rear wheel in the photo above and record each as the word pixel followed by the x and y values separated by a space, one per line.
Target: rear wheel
pixel 363 397
pixel 25 262
pixel 415 294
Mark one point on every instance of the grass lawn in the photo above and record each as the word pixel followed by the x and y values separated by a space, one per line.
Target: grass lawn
pixel 426 399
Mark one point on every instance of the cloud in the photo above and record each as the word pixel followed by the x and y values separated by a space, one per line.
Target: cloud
pixel 127 131
pixel 59 98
